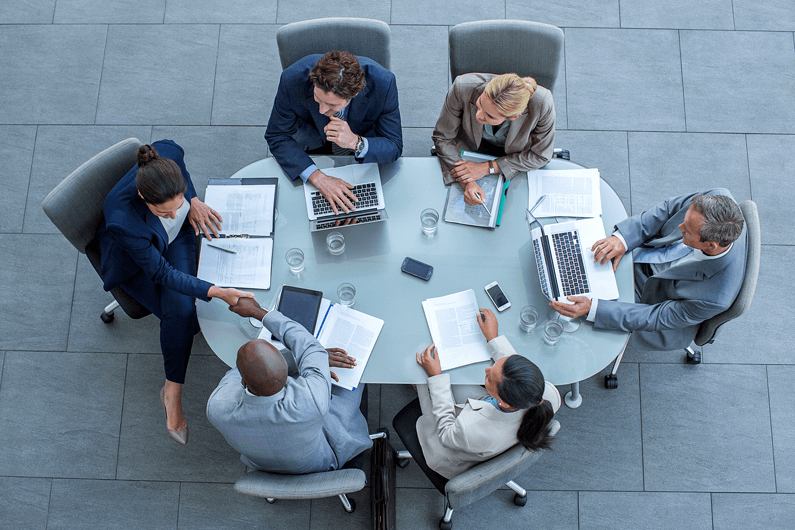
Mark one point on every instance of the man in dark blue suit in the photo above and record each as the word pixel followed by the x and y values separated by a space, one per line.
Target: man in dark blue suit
pixel 335 103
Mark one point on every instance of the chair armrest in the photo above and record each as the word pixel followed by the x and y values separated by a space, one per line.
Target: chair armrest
pixel 296 487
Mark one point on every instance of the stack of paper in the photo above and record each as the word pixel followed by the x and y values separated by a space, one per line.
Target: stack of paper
pixel 569 192
pixel 452 320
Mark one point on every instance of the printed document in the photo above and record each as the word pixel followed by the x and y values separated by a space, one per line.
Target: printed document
pixel 248 268
pixel 455 330
pixel 570 192
pixel 245 209
pixel 457 211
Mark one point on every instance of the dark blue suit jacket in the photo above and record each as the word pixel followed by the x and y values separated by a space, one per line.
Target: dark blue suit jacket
pixel 132 239
pixel 295 123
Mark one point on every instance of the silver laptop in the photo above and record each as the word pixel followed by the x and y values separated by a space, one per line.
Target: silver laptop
pixel 370 207
pixel 565 261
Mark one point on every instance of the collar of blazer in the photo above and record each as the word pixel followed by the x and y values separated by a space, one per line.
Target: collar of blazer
pixel 151 220
pixel 699 269
pixel 488 410
pixel 477 127
pixel 251 399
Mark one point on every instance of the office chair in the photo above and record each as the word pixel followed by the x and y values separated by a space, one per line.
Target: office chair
pixel 476 482
pixel 359 36
pixel 75 207
pixel 708 330
pixel 528 49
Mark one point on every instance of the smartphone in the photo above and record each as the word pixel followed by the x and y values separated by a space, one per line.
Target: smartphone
pixel 421 270
pixel 498 298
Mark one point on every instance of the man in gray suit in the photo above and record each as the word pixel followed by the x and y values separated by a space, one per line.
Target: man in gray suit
pixel 281 423
pixel 689 254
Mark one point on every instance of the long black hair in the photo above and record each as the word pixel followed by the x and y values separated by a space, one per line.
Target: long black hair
pixel 522 387
pixel 158 179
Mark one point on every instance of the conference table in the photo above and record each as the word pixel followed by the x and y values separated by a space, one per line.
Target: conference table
pixel 463 257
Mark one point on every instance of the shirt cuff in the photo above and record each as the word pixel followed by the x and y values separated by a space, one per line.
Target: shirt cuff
pixel 364 151
pixel 307 172
pixel 620 238
pixel 592 313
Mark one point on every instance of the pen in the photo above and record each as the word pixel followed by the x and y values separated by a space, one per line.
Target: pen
pixel 537 204
pixel 222 248
pixel 483 203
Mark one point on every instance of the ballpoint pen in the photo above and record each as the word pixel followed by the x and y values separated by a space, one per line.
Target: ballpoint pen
pixel 222 248
pixel 483 203
pixel 530 217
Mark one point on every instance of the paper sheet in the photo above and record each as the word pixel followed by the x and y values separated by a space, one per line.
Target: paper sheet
pixel 570 192
pixel 245 209
pixel 457 211
pixel 249 268
pixel 454 329
pixel 354 332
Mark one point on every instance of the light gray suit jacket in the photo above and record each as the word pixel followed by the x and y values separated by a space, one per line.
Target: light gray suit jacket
pixel 674 302
pixel 302 428
pixel 455 437
pixel 531 136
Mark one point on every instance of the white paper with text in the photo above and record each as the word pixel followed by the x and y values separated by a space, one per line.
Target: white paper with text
pixel 452 320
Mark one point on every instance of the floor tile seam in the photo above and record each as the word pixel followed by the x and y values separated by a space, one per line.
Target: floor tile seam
pixel 121 415
pixel 215 73
pixel 770 416
pixel 734 18
pixel 92 352
pixel 49 499
pixel 30 178
pixel 640 418
pixel 101 74
pixel 682 77
pixel 72 302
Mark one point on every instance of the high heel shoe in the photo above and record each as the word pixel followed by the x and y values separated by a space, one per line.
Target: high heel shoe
pixel 181 436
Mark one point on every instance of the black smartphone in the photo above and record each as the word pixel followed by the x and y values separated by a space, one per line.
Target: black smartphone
pixel 301 305
pixel 421 270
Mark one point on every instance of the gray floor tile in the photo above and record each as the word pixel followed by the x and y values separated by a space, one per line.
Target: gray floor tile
pixel 650 511
pixel 448 12
pixel 2 360
pixel 691 417
pixel 312 9
pixel 737 511
pixel 544 509
pixel 418 508
pixel 59 151
pixel 713 161
pixel 176 87
pixel 712 62
pixel 25 503
pixel 771 168
pixel 771 15
pixel 624 79
pixel 40 268
pixel 606 151
pixel 328 513
pixel 677 14
pixel 16 151
pixel 760 335
pixel 571 14
pixel 635 355
pixel 81 504
pixel 599 443
pixel 221 11
pixel 109 12
pixel 247 75
pixel 24 12
pixel 782 416
pixel 219 507
pixel 56 73
pixel 417 141
pixel 421 91
pixel 70 427
pixel 145 450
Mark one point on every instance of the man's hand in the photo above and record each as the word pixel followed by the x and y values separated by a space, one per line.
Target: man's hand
pixel 339 358
pixel 465 171
pixel 336 191
pixel 203 218
pixel 339 132
pixel 429 360
pixel 248 307
pixel 488 323
pixel 580 307
pixel 608 248
pixel 474 194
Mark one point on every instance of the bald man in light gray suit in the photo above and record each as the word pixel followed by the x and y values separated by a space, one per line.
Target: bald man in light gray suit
pixel 287 424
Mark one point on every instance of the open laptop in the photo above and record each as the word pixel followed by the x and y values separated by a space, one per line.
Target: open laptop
pixel 565 261
pixel 370 208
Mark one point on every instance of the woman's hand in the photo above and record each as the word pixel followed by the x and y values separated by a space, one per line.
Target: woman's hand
pixel 204 219
pixel 429 360
pixel 466 171
pixel 474 194
pixel 488 323
pixel 230 296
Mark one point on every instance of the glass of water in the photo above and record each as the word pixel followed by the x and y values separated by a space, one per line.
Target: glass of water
pixel 528 318
pixel 336 243
pixel 346 292
pixel 553 329
pixel 295 259
pixel 429 218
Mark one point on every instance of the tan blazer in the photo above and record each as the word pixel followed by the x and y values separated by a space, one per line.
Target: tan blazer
pixel 531 137
pixel 455 437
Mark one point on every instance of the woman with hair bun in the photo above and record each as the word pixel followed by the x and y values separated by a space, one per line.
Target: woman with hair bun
pixel 506 116
pixel 147 242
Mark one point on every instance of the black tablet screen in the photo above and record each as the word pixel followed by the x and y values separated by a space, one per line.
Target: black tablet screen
pixel 301 305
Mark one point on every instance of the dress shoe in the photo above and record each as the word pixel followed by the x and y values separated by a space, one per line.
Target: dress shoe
pixel 181 436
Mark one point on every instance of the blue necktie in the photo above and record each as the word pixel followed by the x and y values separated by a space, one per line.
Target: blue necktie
pixel 666 254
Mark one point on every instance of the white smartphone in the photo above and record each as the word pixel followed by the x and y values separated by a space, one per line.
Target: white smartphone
pixel 498 298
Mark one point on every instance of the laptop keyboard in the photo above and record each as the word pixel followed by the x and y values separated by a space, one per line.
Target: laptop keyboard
pixel 366 193
pixel 335 223
pixel 570 264
pixel 540 265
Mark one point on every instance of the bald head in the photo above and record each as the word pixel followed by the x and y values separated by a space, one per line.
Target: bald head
pixel 262 368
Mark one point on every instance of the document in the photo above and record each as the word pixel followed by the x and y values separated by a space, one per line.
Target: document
pixel 248 268
pixel 455 330
pixel 570 192
pixel 457 211
pixel 245 209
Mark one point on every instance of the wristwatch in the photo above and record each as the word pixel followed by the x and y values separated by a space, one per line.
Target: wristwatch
pixel 491 167
pixel 359 146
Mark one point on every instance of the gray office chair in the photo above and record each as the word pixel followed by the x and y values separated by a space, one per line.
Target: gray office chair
pixel 75 207
pixel 273 486
pixel 359 36
pixel 502 46
pixel 708 329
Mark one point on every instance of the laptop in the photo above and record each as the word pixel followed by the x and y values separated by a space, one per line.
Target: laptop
pixel 565 261
pixel 370 208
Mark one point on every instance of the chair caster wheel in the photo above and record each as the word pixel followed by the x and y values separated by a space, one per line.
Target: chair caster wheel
pixel 520 500
pixel 445 526
pixel 353 506
pixel 611 382
pixel 693 357
pixel 269 500
pixel 402 462
pixel 107 318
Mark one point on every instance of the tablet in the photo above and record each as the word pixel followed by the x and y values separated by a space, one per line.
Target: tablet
pixel 301 305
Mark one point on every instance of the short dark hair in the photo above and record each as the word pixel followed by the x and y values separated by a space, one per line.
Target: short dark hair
pixel 158 179
pixel 339 73
pixel 723 219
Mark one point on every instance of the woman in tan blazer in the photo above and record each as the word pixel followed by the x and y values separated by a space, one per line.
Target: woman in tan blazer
pixel 466 424
pixel 505 116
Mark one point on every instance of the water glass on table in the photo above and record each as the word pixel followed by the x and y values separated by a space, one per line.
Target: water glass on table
pixel 295 259
pixel 429 218
pixel 346 293
pixel 528 318
pixel 336 243
pixel 553 329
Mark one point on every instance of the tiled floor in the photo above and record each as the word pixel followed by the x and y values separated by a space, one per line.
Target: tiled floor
pixel 664 96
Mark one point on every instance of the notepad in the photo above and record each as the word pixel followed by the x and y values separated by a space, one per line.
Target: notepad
pixel 458 211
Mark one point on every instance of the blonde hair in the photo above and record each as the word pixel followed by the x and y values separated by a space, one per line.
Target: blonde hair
pixel 510 93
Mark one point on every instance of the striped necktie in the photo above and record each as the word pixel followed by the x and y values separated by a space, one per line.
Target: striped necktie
pixel 666 254
pixel 337 150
